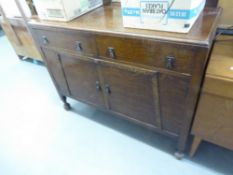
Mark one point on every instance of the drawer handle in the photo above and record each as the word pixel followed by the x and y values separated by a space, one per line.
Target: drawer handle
pixel 78 46
pixel 111 52
pixel 170 62
pixel 45 40
pixel 98 86
pixel 107 89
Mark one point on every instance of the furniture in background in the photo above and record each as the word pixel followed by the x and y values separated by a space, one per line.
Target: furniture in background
pixel 20 39
pixel 214 118
pixel 151 78
pixel 15 28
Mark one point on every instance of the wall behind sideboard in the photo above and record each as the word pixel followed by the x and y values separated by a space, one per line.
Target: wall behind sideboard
pixel 227 17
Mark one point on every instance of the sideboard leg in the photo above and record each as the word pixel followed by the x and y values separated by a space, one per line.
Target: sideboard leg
pixel 21 57
pixel 179 155
pixel 66 104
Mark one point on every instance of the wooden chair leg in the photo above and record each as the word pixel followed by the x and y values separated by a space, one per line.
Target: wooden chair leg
pixel 195 145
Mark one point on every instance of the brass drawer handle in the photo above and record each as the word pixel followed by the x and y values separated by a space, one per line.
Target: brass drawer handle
pixel 170 62
pixel 111 52
pixel 45 40
pixel 78 46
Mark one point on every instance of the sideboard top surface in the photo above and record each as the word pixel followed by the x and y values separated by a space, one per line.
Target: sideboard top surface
pixel 108 19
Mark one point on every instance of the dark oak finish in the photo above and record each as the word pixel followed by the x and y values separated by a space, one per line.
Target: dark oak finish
pixel 173 97
pixel 137 98
pixel 151 78
pixel 54 63
pixel 82 78
pixel 154 53
pixel 71 41
pixel 214 117
pixel 107 20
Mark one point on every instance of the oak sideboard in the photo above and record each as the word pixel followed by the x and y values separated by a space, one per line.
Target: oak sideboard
pixel 151 78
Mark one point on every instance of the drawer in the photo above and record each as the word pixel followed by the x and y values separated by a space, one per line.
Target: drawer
pixel 218 86
pixel 166 55
pixel 72 41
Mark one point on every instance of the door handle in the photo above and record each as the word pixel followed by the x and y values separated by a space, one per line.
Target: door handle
pixel 111 52
pixel 170 62
pixel 97 86
pixel 78 46
pixel 107 89
pixel 45 40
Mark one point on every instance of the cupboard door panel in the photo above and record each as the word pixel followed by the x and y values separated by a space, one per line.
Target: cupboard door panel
pixel 173 92
pixel 53 63
pixel 83 81
pixel 132 92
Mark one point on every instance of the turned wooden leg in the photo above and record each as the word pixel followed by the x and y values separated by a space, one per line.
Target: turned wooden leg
pixel 179 155
pixel 21 57
pixel 195 145
pixel 66 104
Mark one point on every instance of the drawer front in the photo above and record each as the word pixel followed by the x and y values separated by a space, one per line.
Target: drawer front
pixel 218 86
pixel 72 41
pixel 175 57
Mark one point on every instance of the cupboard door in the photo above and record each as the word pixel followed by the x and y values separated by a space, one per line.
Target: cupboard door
pixel 53 63
pixel 133 93
pixel 82 79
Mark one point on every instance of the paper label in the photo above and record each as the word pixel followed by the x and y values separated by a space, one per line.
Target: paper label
pixel 154 11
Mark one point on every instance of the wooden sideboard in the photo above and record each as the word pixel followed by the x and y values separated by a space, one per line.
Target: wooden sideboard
pixel 151 78
pixel 214 118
